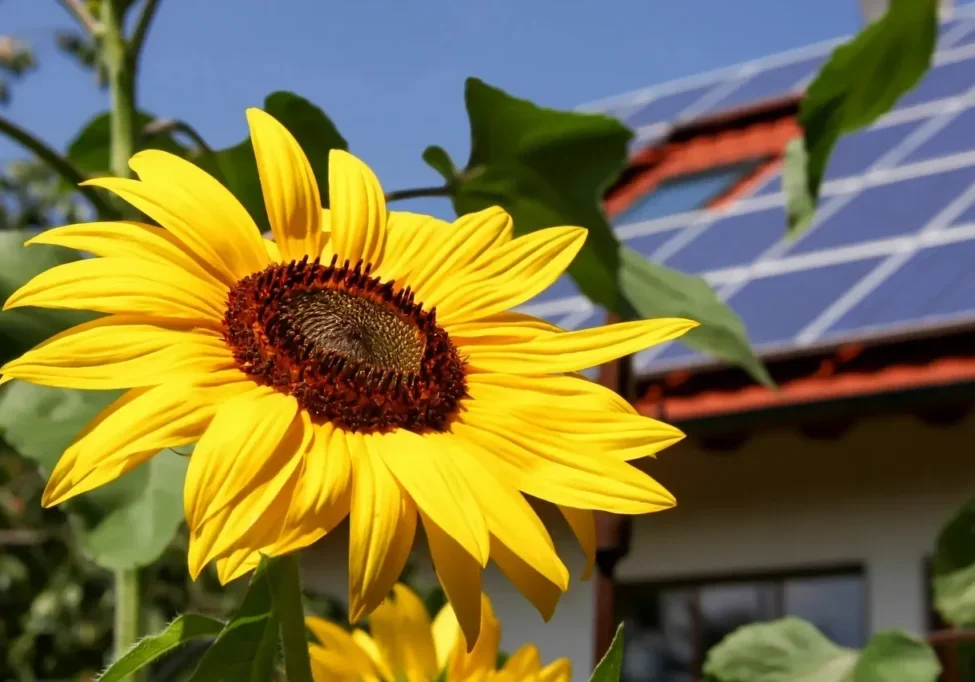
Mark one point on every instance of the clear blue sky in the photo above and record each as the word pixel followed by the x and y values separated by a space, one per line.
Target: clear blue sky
pixel 391 74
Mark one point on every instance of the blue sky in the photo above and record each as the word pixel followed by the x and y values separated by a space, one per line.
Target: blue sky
pixel 391 74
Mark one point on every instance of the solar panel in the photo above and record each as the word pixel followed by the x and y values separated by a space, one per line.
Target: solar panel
pixel 890 210
pixel 893 245
pixel 941 82
pixel 935 284
pixel 774 82
pixel 665 108
pixel 732 241
pixel 683 195
pixel 957 136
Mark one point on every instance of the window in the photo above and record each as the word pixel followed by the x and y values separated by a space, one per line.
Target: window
pixel 684 193
pixel 670 627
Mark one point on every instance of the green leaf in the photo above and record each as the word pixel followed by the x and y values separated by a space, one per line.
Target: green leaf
pixel 315 133
pixel 184 629
pixel 438 159
pixel 125 524
pixel 656 291
pixel 90 150
pixel 792 650
pixel 610 666
pixel 895 656
pixel 859 83
pixel 785 650
pixel 954 568
pixel 247 647
pixel 547 168
pixel 23 328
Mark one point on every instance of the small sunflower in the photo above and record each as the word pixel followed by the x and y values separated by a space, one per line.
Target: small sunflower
pixel 405 645
pixel 364 363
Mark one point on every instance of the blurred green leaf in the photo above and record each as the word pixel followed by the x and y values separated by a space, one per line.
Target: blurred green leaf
pixel 547 168
pixel 124 524
pixel 791 649
pixel 315 133
pixel 247 647
pixel 89 151
pixel 954 568
pixel 23 328
pixel 656 291
pixel 610 667
pixel 438 159
pixel 859 83
pixel 185 628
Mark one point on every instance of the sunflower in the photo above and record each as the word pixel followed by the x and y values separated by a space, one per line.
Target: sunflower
pixel 405 645
pixel 364 363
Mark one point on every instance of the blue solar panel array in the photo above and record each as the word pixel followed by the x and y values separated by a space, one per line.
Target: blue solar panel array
pixel 893 245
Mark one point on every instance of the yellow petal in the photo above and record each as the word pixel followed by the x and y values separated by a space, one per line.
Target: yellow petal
pixel 130 240
pixel 382 525
pixel 237 565
pixel 501 329
pixel 452 654
pixel 556 671
pixel 124 286
pixel 426 469
pixel 401 629
pixel 358 209
pixel 197 209
pixel 445 256
pixel 407 234
pixel 511 520
pixel 294 207
pixel 334 638
pixel 368 645
pixel 460 576
pixel 136 426
pixel 572 351
pixel 545 464
pixel 122 352
pixel 625 435
pixel 524 662
pixel 515 273
pixel 541 592
pixel 570 391
pixel 250 441
pixel 583 525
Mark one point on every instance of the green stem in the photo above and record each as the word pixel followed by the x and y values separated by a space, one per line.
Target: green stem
pixel 400 195
pixel 127 608
pixel 57 163
pixel 285 577
pixel 121 83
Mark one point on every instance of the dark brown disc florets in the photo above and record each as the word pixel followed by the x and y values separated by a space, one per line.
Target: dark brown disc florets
pixel 352 349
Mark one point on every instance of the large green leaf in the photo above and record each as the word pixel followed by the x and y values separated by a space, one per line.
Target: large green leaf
pixel 792 650
pixel 124 524
pixel 861 81
pixel 90 150
pixel 23 328
pixel 546 168
pixel 315 133
pixel 185 628
pixel 610 666
pixel 954 568
pixel 247 647
pixel 656 291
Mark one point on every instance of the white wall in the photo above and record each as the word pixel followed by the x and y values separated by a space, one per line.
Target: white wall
pixel 876 497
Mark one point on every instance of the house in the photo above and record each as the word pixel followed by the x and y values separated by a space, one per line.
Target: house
pixel 821 499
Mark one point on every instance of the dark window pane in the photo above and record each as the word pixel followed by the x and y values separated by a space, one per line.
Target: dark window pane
pixel 658 635
pixel 725 608
pixel 834 604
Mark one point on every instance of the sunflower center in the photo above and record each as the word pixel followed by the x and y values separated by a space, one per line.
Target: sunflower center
pixel 353 350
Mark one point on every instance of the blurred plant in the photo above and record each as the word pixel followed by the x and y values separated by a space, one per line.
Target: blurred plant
pixel 16 59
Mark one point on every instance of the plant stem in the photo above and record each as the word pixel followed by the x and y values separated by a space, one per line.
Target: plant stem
pixel 400 195
pixel 121 83
pixel 57 163
pixel 285 577
pixel 80 12
pixel 127 597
